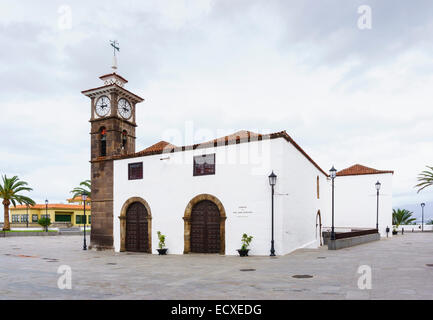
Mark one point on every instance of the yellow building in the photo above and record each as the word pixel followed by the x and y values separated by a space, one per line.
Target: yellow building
pixel 61 215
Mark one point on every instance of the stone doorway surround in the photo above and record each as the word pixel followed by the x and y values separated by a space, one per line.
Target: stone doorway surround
pixel 122 219
pixel 187 221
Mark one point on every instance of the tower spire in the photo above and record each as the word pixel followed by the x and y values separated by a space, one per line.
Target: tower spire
pixel 115 46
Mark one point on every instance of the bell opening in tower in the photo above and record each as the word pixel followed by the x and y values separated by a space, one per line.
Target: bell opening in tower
pixel 103 142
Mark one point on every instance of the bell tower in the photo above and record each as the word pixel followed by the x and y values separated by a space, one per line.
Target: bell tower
pixel 112 135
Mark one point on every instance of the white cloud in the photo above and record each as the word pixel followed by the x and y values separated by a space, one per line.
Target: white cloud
pixel 344 95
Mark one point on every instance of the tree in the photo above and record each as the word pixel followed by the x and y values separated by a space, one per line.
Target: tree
pixel 425 179
pixel 402 216
pixel 430 222
pixel 9 192
pixel 84 188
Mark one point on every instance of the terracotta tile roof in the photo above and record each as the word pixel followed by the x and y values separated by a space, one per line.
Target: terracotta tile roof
pixel 235 138
pixel 158 147
pixel 78 198
pixel 358 169
pixel 53 206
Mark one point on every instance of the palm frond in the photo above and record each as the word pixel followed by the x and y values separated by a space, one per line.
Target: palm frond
pixel 84 188
pixel 425 179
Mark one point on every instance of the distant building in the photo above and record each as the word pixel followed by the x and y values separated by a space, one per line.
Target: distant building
pixel 61 215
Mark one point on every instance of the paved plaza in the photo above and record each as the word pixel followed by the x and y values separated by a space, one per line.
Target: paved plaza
pixel 28 270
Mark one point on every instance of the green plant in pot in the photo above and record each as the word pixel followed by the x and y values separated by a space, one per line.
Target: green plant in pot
pixel 162 250
pixel 246 240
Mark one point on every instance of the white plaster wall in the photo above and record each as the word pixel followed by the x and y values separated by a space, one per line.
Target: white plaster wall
pixel 241 180
pixel 300 203
pixel 355 202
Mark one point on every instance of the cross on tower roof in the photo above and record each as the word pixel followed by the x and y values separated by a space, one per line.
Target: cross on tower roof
pixel 115 46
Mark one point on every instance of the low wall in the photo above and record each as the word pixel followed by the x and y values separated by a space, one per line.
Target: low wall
pixel 415 227
pixel 27 234
pixel 352 241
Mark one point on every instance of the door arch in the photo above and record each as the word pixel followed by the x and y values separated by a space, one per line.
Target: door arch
pixel 319 226
pixel 204 225
pixel 136 226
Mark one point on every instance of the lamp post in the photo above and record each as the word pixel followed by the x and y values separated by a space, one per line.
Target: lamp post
pixel 422 218
pixel 27 209
pixel 272 181
pixel 333 174
pixel 46 215
pixel 377 212
pixel 84 198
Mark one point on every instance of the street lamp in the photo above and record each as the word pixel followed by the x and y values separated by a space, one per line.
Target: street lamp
pixel 422 221
pixel 84 198
pixel 333 174
pixel 27 209
pixel 46 215
pixel 272 181
pixel 377 213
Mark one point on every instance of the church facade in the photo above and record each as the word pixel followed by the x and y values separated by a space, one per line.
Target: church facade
pixel 204 197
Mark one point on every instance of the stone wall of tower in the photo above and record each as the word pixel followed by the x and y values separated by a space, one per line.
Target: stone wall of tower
pixel 114 127
pixel 101 236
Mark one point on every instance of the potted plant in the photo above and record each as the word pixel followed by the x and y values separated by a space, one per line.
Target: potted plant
pixel 162 250
pixel 246 240
pixel 394 231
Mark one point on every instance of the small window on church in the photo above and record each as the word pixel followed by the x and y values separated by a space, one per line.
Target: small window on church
pixel 124 138
pixel 318 190
pixel 103 142
pixel 135 171
pixel 204 165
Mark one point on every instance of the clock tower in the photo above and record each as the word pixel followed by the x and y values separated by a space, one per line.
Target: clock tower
pixel 112 135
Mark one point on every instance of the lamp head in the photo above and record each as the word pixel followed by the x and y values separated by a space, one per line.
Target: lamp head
pixel 378 185
pixel 272 179
pixel 333 172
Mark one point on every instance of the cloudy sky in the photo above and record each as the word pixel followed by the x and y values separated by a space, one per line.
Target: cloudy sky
pixel 346 95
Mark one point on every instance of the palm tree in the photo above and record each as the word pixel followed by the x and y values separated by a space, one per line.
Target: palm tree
pixel 402 216
pixel 9 190
pixel 84 188
pixel 425 179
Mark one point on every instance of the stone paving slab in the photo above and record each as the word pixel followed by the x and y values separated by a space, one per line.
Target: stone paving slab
pixel 28 270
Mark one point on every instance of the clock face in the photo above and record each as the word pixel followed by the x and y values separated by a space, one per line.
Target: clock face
pixel 124 108
pixel 103 106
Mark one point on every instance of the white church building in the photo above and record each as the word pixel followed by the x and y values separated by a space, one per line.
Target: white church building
pixel 204 197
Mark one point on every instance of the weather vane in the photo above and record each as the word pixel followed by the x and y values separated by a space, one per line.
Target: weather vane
pixel 115 46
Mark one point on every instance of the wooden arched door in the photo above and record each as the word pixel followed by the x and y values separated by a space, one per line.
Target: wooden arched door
pixel 137 237
pixel 205 228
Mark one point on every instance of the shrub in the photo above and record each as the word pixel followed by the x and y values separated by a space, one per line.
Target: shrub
pixel 161 238
pixel 44 222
